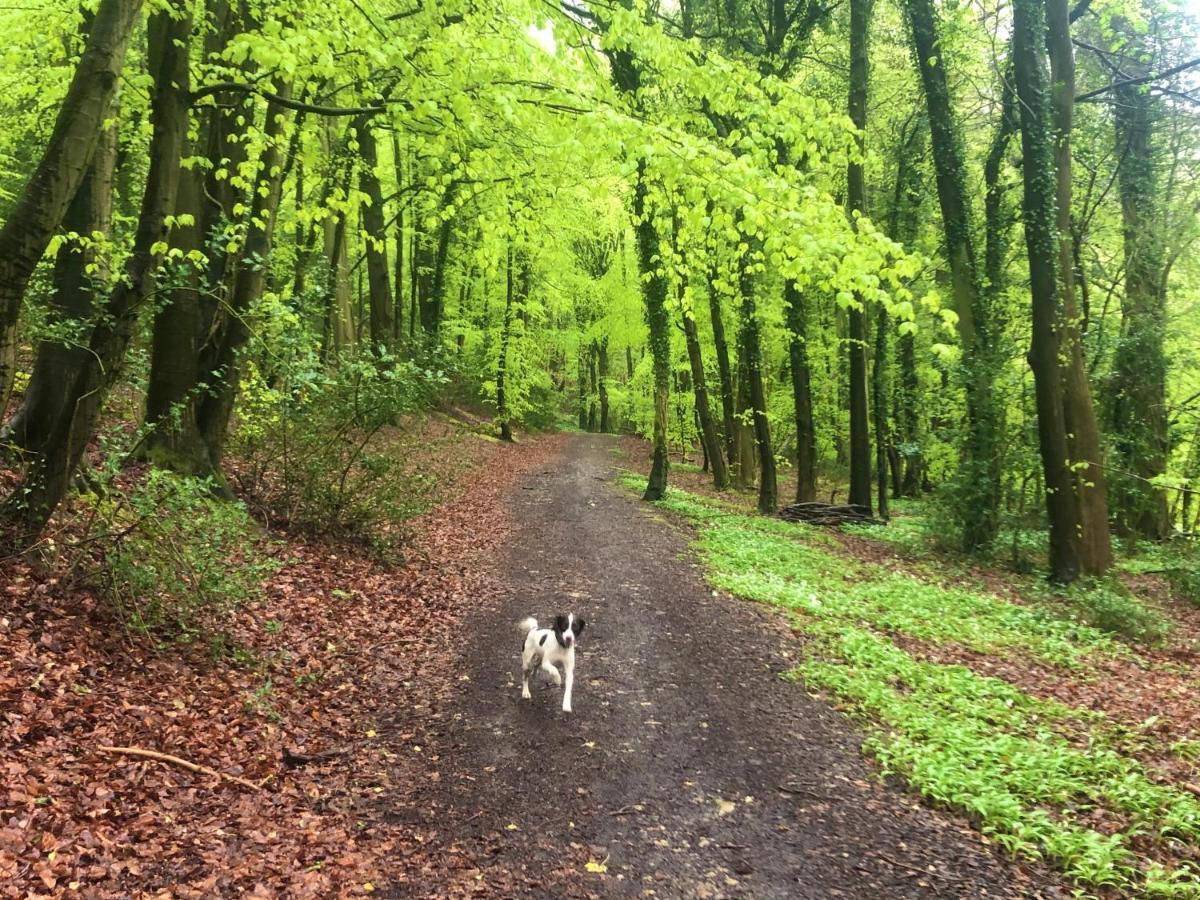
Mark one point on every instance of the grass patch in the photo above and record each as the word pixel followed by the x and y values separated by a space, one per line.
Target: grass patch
pixel 1042 779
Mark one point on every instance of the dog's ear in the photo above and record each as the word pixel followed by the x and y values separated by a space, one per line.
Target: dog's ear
pixel 560 623
pixel 579 623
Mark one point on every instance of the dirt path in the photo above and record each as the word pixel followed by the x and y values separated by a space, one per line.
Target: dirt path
pixel 689 767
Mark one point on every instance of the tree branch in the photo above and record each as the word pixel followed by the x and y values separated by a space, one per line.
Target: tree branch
pixel 1078 10
pixel 1144 79
pixel 183 763
pixel 288 103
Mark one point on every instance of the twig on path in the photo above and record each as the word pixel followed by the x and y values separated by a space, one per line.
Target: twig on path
pixel 804 793
pixel 409 639
pixel 919 871
pixel 626 810
pixel 175 760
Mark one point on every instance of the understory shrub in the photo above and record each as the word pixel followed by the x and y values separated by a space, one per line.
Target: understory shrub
pixel 319 453
pixel 174 560
pixel 1106 604
pixel 1185 584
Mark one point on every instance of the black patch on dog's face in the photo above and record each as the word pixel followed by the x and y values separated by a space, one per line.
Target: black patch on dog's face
pixel 564 624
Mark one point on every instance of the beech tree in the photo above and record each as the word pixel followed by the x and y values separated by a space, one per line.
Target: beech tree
pixel 528 201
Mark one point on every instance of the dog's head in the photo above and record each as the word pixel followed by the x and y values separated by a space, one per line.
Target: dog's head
pixel 567 629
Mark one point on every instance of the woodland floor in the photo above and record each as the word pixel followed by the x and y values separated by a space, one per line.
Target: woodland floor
pixel 689 767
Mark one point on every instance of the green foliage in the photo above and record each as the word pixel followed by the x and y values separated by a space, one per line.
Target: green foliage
pixel 322 454
pixel 1035 775
pixel 176 561
pixel 1106 604
pixel 979 745
pixel 1185 584
pixel 1178 562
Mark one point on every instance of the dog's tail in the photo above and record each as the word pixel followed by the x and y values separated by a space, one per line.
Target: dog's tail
pixel 527 625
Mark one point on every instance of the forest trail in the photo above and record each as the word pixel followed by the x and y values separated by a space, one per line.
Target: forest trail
pixel 689 768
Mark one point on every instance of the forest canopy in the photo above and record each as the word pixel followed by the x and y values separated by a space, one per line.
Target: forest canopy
pixel 858 251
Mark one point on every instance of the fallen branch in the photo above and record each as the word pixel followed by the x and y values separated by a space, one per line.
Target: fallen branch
pixel 410 639
pixel 828 514
pixel 914 869
pixel 803 793
pixel 176 761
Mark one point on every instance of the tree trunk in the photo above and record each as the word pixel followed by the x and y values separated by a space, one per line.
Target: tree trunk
pixel 378 283
pixel 1079 413
pixel 903 221
pixel 592 387
pixel 724 374
pixel 1138 408
pixel 806 433
pixel 581 365
pixel 708 428
pixel 745 459
pixel 502 363
pixel 996 224
pixel 856 205
pixel 30 506
pixel 72 305
pixel 979 471
pixel 336 331
pixel 179 352
pixel 415 280
pixel 894 466
pixel 602 386
pixel 43 202
pixel 768 490
pixel 914 459
pixel 879 390
pixel 172 395
pixel 401 240
pixel 1041 239
pixel 435 283
pixel 654 295
pixel 217 407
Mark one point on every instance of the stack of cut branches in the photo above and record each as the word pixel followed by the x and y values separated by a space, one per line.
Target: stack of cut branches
pixel 827 514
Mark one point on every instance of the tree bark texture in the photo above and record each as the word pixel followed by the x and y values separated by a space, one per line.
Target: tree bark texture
pixel 44 200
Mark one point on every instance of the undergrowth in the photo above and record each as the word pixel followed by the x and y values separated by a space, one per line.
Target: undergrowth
pixel 1040 778
pixel 173 560
pixel 1101 603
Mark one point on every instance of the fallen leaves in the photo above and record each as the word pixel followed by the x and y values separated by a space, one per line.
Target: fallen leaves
pixel 350 660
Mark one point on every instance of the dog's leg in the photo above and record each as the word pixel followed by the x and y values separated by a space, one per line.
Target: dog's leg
pixel 569 669
pixel 527 668
pixel 551 671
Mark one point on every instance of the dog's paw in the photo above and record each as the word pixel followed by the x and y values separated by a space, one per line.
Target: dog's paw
pixel 525 695
pixel 555 677
pixel 566 707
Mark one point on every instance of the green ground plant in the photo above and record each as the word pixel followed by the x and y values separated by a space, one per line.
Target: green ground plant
pixel 161 580
pixel 1035 775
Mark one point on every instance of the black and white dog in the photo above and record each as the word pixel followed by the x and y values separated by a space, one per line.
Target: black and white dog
pixel 550 648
